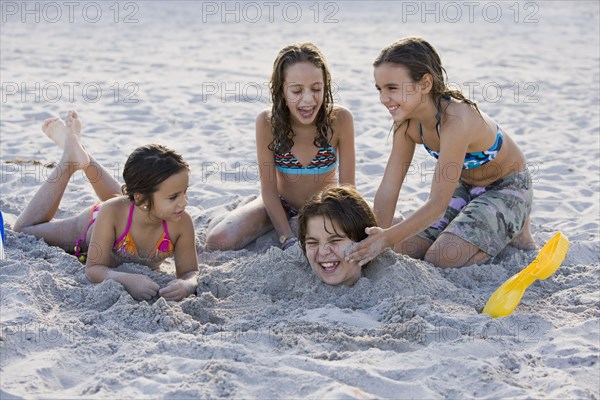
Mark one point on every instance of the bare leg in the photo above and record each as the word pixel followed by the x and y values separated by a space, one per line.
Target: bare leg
pixel 450 251
pixel 217 220
pixel 239 227
pixel 103 182
pixel 524 240
pixel 414 247
pixel 42 207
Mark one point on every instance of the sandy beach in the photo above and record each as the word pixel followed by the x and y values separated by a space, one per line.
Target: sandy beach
pixel 194 76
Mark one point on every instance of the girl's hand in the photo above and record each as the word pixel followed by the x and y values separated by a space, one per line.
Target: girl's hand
pixel 140 287
pixel 369 248
pixel 177 289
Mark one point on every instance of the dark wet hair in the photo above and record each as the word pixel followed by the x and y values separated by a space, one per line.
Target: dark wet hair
pixel 147 167
pixel 281 126
pixel 344 206
pixel 420 58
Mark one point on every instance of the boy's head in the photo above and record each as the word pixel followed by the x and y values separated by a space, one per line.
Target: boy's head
pixel 328 224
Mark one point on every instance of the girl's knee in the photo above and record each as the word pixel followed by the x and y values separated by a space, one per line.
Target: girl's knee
pixel 442 261
pixel 432 256
pixel 414 247
pixel 17 227
pixel 454 254
pixel 221 238
pixel 214 240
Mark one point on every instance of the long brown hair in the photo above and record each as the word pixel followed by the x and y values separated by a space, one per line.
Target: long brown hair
pixel 281 126
pixel 420 58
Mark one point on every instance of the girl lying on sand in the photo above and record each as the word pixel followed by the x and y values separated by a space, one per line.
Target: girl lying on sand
pixel 150 207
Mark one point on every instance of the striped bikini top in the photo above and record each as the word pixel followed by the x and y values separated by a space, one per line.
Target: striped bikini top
pixel 324 161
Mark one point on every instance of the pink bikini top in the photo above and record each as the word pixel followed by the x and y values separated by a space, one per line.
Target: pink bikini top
pixel 125 246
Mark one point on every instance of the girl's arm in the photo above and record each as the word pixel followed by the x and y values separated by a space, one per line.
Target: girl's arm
pixel 186 263
pixel 453 146
pixel 345 129
pixel 386 198
pixel 100 256
pixel 268 177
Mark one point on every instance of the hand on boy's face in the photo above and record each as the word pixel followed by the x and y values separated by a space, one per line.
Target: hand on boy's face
pixel 369 248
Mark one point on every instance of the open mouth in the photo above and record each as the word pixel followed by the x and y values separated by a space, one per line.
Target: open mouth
pixel 329 266
pixel 306 112
pixel 392 109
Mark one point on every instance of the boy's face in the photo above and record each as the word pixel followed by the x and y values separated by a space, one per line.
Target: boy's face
pixel 325 250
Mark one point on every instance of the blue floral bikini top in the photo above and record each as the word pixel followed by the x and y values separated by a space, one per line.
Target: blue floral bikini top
pixel 474 159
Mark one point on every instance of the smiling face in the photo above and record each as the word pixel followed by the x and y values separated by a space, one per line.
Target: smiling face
pixel 170 200
pixel 398 92
pixel 325 245
pixel 303 90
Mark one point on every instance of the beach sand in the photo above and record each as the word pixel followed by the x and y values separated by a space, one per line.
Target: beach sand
pixel 193 76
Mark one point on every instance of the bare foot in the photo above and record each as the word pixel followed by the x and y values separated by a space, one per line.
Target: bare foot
pixel 57 130
pixel 524 240
pixel 74 123
pixel 74 155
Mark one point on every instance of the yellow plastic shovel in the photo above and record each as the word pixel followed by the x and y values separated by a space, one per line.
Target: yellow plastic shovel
pixel 506 298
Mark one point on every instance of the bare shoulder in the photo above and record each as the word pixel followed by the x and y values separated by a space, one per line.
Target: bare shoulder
pixel 341 115
pixel 263 125
pixel 186 220
pixel 461 118
pixel 263 119
pixel 184 226
pixel 407 131
pixel 113 214
pixel 116 206
pixel 342 123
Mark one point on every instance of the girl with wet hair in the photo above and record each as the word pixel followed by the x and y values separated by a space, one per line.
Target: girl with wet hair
pixel 302 143
pixel 481 192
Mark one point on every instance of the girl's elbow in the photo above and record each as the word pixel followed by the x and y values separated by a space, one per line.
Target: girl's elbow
pixel 439 214
pixel 438 209
pixel 92 273
pixel 384 200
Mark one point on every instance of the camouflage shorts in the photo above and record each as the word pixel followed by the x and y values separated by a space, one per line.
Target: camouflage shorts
pixel 488 217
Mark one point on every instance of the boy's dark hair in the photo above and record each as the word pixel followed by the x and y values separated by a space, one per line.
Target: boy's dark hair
pixel 344 206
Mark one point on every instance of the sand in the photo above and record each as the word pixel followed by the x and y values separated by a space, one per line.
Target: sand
pixel 194 76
